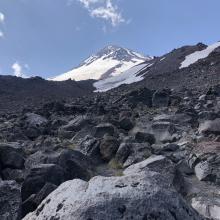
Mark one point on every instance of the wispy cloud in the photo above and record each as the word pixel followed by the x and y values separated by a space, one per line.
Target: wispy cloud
pixel 2 17
pixel 104 9
pixel 18 70
pixel 1 34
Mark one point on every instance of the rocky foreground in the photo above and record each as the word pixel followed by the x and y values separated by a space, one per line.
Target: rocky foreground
pixel 142 154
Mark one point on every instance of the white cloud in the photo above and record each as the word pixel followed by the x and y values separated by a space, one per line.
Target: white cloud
pixel 1 34
pixel 18 70
pixel 104 9
pixel 2 17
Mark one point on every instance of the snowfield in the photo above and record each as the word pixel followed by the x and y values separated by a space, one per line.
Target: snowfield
pixel 127 77
pixel 194 57
pixel 110 61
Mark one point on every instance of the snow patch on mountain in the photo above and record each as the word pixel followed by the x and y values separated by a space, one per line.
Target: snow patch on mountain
pixel 194 57
pixel 108 62
pixel 127 77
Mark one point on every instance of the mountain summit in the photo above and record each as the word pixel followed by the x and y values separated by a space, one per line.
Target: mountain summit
pixel 108 62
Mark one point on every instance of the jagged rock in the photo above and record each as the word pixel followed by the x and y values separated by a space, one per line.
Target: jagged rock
pixel 75 164
pixel 178 118
pixel 10 156
pixel 210 127
pixel 10 200
pixel 208 207
pixel 108 147
pixel 40 157
pixel 34 125
pixel 205 161
pixel 164 131
pixel 13 174
pixel 76 124
pixel 104 129
pixel 130 153
pixel 161 165
pixel 126 123
pixel 30 204
pixel 161 98
pixel 165 149
pixel 142 137
pixel 39 176
pixel 35 120
pixel 184 168
pixel 209 169
pixel 89 146
pixel 143 95
pixel 144 195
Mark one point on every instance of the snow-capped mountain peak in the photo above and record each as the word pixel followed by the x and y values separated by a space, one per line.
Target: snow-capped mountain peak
pixel 108 62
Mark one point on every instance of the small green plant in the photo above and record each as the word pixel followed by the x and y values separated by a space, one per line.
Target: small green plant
pixel 114 164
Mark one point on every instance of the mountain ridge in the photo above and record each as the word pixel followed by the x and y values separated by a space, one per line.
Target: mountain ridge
pixel 109 61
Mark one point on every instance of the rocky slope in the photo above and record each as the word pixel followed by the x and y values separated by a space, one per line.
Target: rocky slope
pixel 148 150
pixel 17 93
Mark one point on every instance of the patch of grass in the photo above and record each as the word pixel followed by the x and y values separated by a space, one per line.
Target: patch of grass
pixel 114 164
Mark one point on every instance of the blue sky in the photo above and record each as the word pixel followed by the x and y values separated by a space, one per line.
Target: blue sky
pixel 49 37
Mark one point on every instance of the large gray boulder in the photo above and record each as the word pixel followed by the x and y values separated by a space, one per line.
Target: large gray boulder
pixel 208 207
pixel 34 125
pixel 210 127
pixel 10 200
pixel 145 195
pixel 11 156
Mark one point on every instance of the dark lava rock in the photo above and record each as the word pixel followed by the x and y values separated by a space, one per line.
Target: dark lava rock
pixel 126 123
pixel 161 98
pixel 142 137
pixel 10 200
pixel 31 203
pixel 103 129
pixel 39 176
pixel 108 147
pixel 10 156
pixel 75 164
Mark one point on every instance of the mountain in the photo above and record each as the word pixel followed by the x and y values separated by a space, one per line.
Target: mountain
pixel 150 144
pixel 187 66
pixel 110 61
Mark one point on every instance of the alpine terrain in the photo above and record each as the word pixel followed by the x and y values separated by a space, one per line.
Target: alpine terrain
pixel 110 61
pixel 122 136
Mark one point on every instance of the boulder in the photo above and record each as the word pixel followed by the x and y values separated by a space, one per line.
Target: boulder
pixel 130 153
pixel 209 207
pixel 39 176
pixel 144 195
pixel 35 120
pixel 161 98
pixel 10 156
pixel 142 137
pixel 13 174
pixel 142 95
pixel 210 127
pixel 34 125
pixel 126 123
pixel 108 147
pixel 104 129
pixel 76 124
pixel 90 147
pixel 164 131
pixel 161 165
pixel 30 204
pixel 75 164
pixel 205 161
pixel 208 169
pixel 10 200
